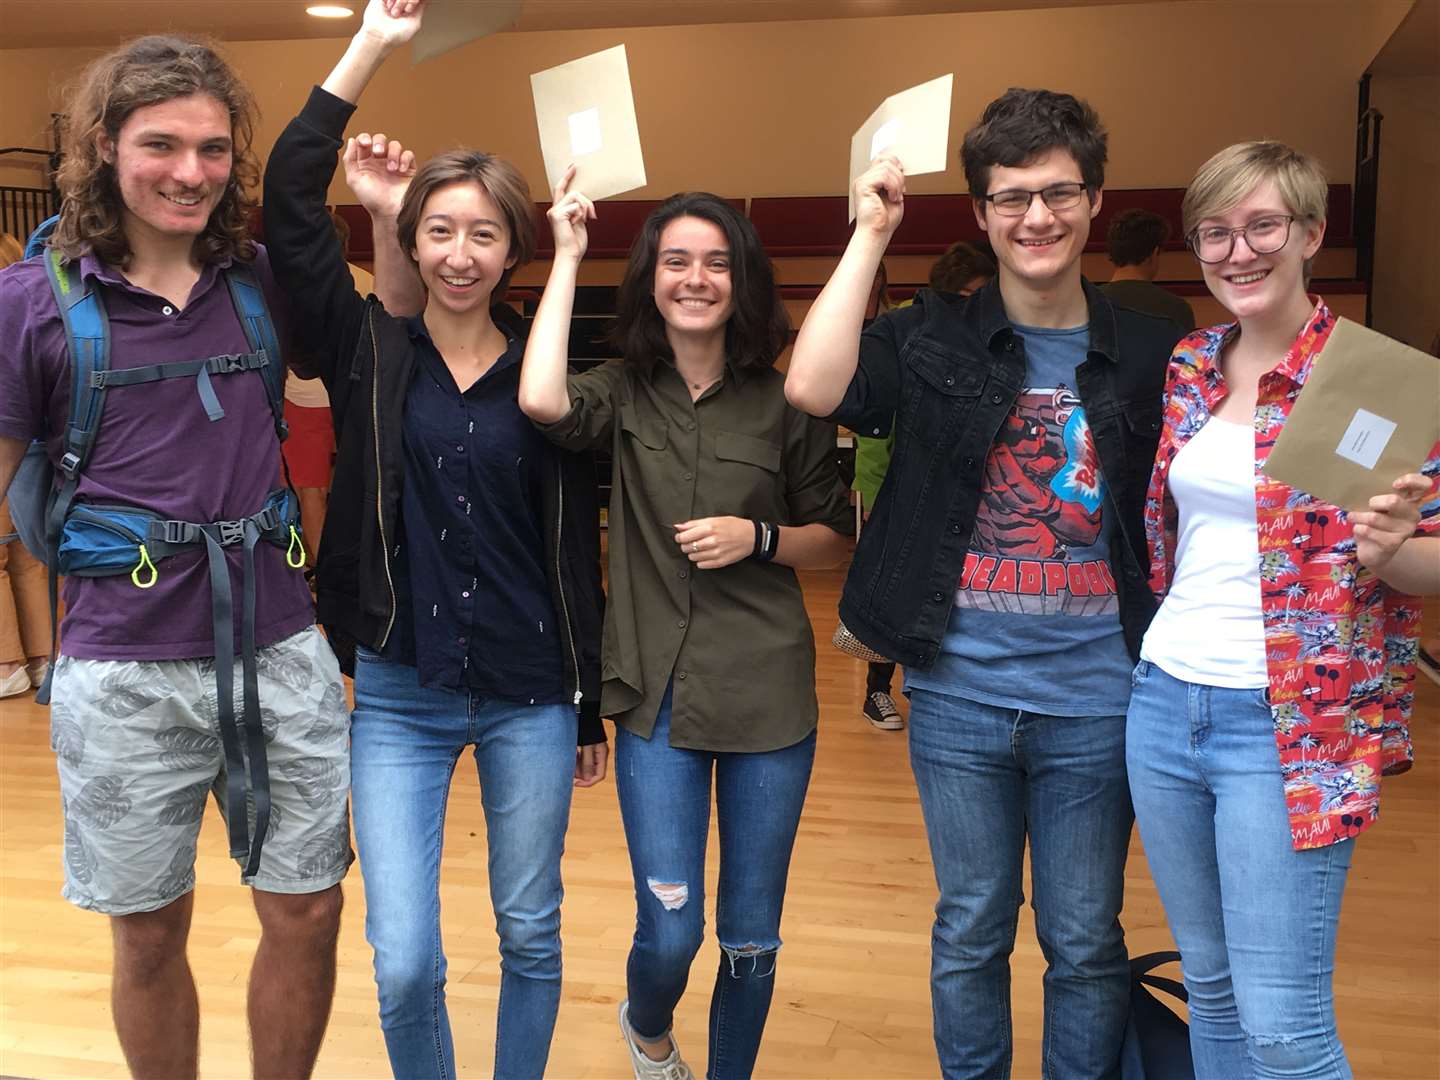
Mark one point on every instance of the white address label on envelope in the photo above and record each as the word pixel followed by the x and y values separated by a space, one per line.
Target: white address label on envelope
pixel 585 132
pixel 884 137
pixel 1366 438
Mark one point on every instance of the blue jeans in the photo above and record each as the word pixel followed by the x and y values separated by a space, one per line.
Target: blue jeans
pixel 665 802
pixel 405 741
pixel 1254 919
pixel 989 777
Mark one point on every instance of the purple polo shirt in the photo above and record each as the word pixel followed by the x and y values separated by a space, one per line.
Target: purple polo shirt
pixel 156 449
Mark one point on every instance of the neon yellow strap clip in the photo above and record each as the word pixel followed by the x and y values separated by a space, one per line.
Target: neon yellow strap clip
pixel 144 564
pixel 295 553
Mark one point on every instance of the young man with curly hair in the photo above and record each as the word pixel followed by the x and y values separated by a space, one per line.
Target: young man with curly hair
pixel 152 707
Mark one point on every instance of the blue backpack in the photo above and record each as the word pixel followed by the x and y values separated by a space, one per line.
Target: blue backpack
pixel 99 540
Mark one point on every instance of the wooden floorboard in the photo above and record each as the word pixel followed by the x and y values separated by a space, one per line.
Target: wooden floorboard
pixel 852 1000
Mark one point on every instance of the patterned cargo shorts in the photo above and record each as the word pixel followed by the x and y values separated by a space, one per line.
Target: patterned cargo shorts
pixel 137 743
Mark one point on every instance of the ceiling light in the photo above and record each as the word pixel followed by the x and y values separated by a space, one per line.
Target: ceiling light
pixel 329 11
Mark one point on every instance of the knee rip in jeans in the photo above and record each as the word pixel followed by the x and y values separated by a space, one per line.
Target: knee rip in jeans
pixel 673 895
pixel 1267 1042
pixel 753 953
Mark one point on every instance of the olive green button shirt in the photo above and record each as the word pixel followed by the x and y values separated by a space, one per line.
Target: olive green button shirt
pixel 737 640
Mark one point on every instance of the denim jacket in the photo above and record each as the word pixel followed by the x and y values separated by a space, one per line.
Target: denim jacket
pixel 945 372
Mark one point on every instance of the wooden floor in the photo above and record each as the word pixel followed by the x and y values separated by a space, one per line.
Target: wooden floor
pixel 852 998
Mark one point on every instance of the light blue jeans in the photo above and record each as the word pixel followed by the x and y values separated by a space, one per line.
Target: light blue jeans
pixel 1254 919
pixel 665 801
pixel 989 780
pixel 406 740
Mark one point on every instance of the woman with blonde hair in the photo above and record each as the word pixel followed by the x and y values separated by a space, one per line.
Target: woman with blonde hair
pixel 1274 684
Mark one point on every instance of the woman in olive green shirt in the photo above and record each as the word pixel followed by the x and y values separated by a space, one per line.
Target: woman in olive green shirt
pixel 721 489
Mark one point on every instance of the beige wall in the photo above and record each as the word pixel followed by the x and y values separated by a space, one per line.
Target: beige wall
pixel 768 109
pixel 1407 226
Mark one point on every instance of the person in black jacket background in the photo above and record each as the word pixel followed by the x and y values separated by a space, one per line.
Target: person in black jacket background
pixel 459 567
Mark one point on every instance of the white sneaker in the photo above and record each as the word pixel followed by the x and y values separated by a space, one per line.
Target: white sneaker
pixel 646 1067
pixel 14 684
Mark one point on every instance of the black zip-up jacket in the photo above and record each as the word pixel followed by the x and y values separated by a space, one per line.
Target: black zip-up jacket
pixel 946 371
pixel 366 358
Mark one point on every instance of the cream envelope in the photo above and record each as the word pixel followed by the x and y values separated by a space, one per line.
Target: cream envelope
pixel 451 23
pixel 586 115
pixel 914 125
pixel 1368 413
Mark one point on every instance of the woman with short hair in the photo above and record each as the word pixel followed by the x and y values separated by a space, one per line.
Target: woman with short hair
pixel 1273 688
pixel 459 570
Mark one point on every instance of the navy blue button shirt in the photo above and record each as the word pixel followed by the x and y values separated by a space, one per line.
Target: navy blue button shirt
pixel 474 607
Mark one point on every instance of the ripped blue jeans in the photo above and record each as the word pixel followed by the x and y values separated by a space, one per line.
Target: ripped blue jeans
pixel 665 802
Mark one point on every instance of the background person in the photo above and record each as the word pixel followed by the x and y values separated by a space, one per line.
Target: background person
pixel 1134 240
pixel 24 600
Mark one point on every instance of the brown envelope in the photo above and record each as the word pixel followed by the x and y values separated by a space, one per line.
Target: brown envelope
pixel 1368 413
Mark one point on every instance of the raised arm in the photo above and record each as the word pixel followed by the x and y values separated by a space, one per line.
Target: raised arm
pixel 544 396
pixel 304 250
pixel 379 170
pixel 387 25
pixel 828 347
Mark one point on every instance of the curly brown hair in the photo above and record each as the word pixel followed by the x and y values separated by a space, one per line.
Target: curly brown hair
pixel 149 71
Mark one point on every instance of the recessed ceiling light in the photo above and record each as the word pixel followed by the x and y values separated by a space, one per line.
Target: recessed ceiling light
pixel 329 11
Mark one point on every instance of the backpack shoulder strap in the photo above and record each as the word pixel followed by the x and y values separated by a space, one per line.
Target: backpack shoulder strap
pixel 87 338
pixel 249 300
pixel 87 335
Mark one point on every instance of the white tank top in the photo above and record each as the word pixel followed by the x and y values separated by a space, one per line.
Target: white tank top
pixel 1210 630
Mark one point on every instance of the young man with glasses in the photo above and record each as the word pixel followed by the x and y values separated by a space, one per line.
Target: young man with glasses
pixel 1004 568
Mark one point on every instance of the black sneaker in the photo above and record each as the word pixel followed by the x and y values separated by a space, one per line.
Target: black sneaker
pixel 880 710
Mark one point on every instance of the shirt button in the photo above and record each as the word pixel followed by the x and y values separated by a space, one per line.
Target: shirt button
pixel 690 426
pixel 688 476
pixel 466 594
pixel 1009 346
pixel 938 597
pixel 459 448
pixel 460 641
pixel 996 398
pixel 969 463
pixel 681 624
pixel 949 380
pixel 954 528
pixel 680 675
pixel 683 574
pixel 167 310
pixel 877 431
pixel 460 499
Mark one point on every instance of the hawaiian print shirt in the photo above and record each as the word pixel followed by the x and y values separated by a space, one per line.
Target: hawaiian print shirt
pixel 1340 644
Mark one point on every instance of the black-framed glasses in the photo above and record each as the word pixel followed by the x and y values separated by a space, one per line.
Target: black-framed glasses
pixel 1264 236
pixel 1015 202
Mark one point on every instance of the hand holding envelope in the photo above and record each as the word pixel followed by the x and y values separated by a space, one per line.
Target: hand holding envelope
pixel 586 115
pixel 1390 520
pixel 568 213
pixel 1367 414
pixel 912 126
